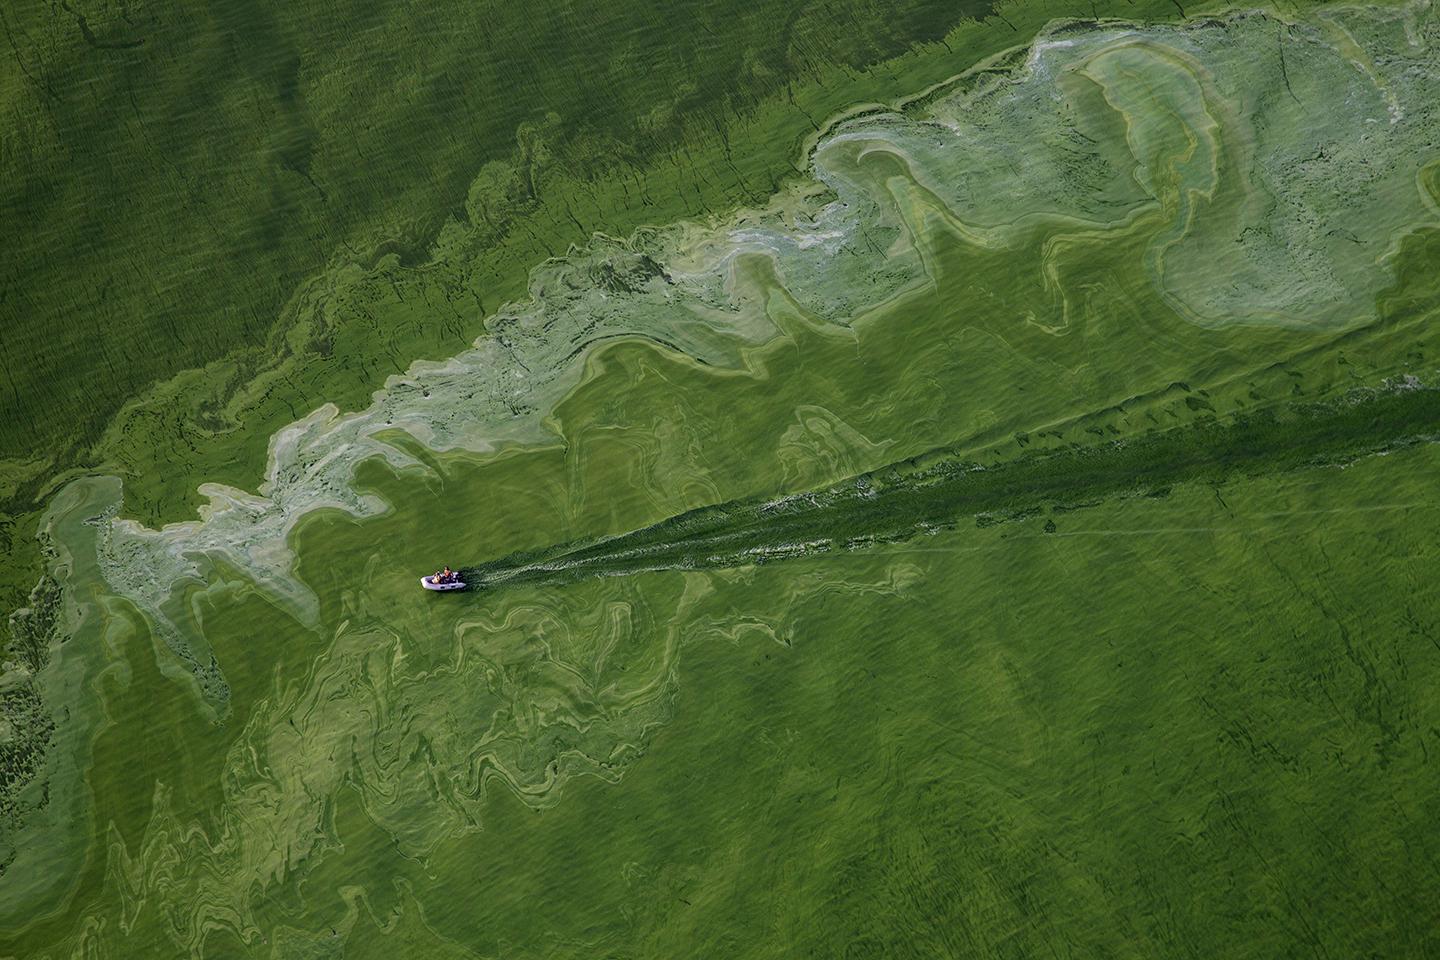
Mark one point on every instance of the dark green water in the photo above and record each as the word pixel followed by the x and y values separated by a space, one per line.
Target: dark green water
pixel 906 500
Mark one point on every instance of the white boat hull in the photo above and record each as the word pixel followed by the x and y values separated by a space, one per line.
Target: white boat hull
pixel 429 584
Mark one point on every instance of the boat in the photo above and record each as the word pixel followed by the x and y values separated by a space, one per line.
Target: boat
pixel 430 583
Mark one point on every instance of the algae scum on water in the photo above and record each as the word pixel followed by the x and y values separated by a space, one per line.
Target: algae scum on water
pixel 973 498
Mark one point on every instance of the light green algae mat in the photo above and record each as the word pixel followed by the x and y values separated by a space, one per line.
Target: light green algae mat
pixel 968 490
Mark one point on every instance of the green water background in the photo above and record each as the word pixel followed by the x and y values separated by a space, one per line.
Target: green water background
pixel 1187 725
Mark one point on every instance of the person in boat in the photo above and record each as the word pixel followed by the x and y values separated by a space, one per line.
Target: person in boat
pixel 448 576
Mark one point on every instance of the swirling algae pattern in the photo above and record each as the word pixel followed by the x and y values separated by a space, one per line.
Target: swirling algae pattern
pixel 1150 201
pixel 1198 165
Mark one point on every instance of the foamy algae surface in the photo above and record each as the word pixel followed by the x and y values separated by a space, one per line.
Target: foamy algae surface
pixel 1013 533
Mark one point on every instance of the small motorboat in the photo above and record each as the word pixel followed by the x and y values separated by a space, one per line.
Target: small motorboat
pixel 430 583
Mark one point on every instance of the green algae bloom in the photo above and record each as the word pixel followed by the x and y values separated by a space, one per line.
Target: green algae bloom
pixel 935 483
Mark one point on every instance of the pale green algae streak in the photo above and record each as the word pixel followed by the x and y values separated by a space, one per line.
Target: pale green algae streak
pixel 1259 174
